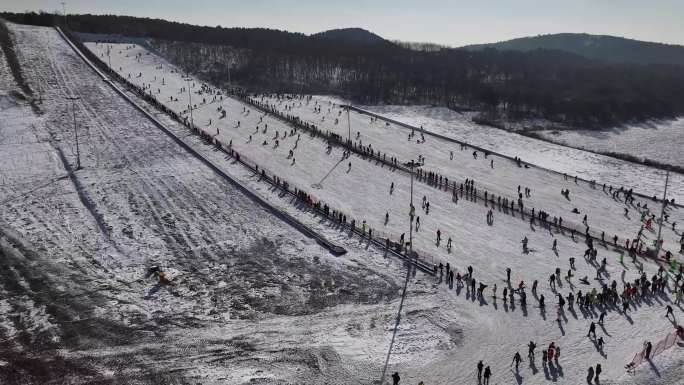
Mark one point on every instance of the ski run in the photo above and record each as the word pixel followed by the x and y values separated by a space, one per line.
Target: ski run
pixel 145 265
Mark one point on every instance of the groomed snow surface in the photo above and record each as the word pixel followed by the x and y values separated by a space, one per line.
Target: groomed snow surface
pixel 590 166
pixel 253 300
pixel 659 141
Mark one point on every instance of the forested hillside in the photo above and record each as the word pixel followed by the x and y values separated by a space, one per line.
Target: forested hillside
pixel 552 84
pixel 606 48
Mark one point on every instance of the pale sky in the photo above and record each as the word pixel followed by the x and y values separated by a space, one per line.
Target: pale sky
pixel 448 22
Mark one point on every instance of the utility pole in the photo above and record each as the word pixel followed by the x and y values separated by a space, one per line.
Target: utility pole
pixel 412 211
pixel 64 13
pixel 192 122
pixel 662 213
pixel 73 109
pixel 109 56
pixel 348 125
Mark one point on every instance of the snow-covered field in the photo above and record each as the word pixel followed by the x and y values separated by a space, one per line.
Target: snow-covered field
pixel 362 191
pixel 572 161
pixel 253 300
pixel 76 306
pixel 659 141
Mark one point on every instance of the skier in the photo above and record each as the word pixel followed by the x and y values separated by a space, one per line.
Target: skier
pixel 597 373
pixel 395 378
pixel 530 349
pixel 487 374
pixel 561 301
pixel 516 360
pixel 480 289
pixel 508 274
pixel 649 346
pixel 479 371
pixel 592 330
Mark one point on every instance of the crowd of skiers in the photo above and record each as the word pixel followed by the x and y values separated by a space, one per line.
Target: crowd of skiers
pixel 356 145
pixel 608 296
pixel 431 178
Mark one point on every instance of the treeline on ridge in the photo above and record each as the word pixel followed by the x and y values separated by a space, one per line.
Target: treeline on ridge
pixel 555 85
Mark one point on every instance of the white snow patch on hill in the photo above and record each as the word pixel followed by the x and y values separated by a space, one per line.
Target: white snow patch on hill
pixel 659 141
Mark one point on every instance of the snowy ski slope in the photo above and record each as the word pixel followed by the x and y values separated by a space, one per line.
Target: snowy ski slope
pixel 660 141
pixel 74 253
pixel 478 328
pixel 590 166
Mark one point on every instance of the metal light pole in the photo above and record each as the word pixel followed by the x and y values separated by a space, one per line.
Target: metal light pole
pixel 192 122
pixel 348 125
pixel 73 109
pixel 109 55
pixel 662 213
pixel 412 211
pixel 64 13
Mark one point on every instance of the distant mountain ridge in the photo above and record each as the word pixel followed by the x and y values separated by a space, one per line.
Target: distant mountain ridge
pixel 553 84
pixel 600 47
pixel 351 35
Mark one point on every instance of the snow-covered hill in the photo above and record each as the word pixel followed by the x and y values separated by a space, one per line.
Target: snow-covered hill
pixel 251 299
pixel 360 188
pixel 589 166
pixel 659 141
